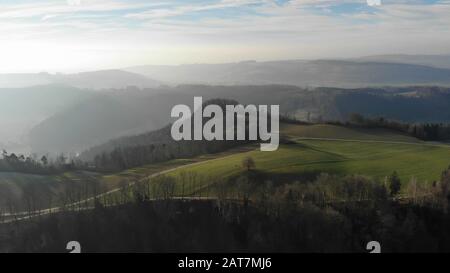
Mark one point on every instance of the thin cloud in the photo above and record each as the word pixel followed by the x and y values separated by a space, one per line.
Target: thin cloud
pixel 117 33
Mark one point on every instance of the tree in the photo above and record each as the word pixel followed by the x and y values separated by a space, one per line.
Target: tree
pixel 44 160
pixel 248 163
pixel 13 158
pixel 394 183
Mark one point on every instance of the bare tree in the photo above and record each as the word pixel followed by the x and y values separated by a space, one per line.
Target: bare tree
pixel 183 178
pixel 123 184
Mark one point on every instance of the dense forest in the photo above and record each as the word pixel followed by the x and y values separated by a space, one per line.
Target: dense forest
pixel 329 214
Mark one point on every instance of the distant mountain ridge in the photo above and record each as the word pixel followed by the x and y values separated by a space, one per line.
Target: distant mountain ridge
pixel 103 79
pixel 371 71
pixel 317 73
pixel 437 61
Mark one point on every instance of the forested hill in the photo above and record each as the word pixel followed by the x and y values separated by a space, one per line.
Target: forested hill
pixel 126 113
pixel 132 151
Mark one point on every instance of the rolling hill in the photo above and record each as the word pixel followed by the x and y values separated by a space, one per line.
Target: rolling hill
pixel 24 108
pixel 438 61
pixel 97 120
pixel 134 112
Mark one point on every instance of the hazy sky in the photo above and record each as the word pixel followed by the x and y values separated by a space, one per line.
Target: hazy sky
pixel 77 35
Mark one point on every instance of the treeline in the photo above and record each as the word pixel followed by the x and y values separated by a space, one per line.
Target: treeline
pixel 423 131
pixel 122 158
pixel 34 165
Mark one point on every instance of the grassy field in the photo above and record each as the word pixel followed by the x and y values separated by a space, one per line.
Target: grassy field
pixel 365 152
pixel 314 156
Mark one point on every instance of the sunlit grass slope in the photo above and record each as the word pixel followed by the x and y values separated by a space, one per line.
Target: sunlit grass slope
pixel 371 152
pixel 341 132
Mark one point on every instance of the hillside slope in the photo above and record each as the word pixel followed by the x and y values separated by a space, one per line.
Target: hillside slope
pixel 24 108
pixel 371 153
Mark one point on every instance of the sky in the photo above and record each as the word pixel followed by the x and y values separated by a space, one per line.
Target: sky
pixel 83 35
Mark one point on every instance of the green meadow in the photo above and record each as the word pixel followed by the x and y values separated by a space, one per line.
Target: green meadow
pixel 337 157
pixel 373 153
